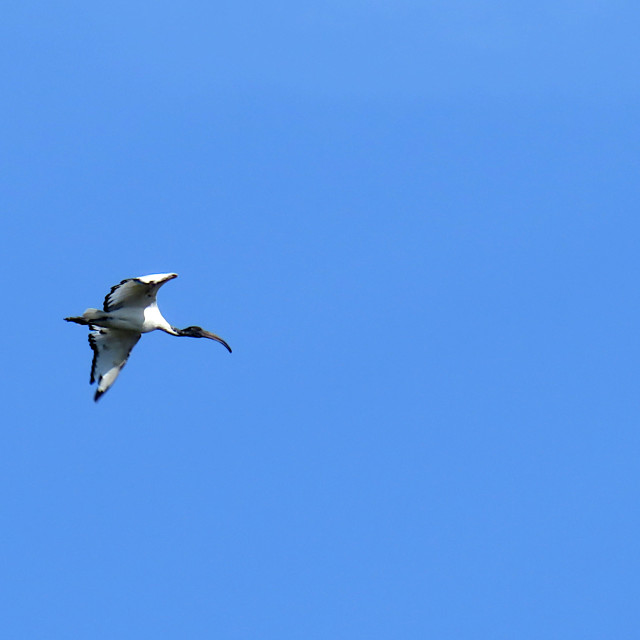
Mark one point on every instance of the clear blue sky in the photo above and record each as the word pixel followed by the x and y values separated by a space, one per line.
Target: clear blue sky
pixel 416 223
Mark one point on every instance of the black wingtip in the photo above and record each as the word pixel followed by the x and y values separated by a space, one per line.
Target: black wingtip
pixel 98 395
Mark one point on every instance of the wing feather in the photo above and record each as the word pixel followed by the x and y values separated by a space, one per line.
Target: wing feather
pixel 136 292
pixel 111 349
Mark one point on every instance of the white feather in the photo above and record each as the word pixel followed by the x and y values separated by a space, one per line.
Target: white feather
pixel 111 349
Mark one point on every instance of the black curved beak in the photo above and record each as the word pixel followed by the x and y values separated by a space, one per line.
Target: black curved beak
pixel 213 336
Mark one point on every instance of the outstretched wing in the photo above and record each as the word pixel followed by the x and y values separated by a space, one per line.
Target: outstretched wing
pixel 136 292
pixel 111 348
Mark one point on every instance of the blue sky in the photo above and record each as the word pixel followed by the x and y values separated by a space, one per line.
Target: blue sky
pixel 416 224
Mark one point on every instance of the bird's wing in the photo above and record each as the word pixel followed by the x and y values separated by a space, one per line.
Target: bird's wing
pixel 136 292
pixel 111 348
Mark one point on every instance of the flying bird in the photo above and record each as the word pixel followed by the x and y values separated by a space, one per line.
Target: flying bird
pixel 130 309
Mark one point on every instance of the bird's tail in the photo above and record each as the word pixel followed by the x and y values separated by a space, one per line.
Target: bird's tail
pixel 89 316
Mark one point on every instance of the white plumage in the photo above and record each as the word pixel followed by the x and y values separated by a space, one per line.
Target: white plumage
pixel 111 349
pixel 129 310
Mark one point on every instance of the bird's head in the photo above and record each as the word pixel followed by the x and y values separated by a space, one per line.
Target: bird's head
pixel 199 332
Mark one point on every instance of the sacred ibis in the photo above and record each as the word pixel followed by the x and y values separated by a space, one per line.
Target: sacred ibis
pixel 130 309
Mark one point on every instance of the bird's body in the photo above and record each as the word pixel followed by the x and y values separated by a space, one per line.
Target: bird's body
pixel 130 309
